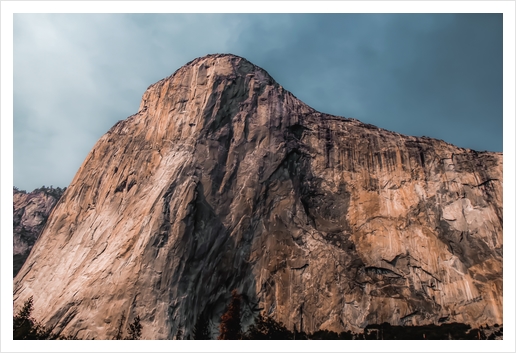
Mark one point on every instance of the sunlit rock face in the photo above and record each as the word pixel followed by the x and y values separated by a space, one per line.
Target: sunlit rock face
pixel 224 180
pixel 30 214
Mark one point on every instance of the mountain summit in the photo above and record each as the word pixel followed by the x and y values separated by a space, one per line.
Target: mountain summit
pixel 224 180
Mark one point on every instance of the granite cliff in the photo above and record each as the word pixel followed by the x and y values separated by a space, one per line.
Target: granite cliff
pixel 224 180
pixel 30 214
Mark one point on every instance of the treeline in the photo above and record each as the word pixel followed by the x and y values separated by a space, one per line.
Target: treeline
pixel 266 328
pixel 25 327
pixel 57 192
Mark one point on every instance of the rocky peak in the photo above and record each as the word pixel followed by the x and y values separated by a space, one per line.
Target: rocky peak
pixel 224 180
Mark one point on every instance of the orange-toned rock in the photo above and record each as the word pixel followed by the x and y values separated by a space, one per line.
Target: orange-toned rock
pixel 223 180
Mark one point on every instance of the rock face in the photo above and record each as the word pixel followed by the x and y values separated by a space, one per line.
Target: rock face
pixel 224 180
pixel 30 213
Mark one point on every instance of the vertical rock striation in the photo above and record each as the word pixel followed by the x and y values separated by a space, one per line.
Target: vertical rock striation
pixel 224 180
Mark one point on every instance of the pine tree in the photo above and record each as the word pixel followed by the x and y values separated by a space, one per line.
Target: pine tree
pixel 201 330
pixel 266 328
pixel 135 329
pixel 230 327
pixel 25 327
pixel 23 324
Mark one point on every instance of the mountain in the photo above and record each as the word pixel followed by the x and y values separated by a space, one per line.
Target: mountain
pixel 30 214
pixel 224 180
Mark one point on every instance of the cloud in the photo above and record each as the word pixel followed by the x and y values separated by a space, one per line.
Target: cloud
pixel 75 75
pixel 421 74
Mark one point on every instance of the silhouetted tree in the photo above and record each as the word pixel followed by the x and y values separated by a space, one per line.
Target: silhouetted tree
pixel 230 327
pixel 299 335
pixel 23 323
pixel 348 335
pixel 135 329
pixel 25 327
pixel 18 190
pixel 266 328
pixel 201 330
pixel 325 335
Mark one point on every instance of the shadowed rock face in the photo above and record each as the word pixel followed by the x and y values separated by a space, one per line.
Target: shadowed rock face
pixel 223 180
pixel 30 214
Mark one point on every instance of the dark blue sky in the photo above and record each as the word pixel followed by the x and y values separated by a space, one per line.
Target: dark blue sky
pixel 75 75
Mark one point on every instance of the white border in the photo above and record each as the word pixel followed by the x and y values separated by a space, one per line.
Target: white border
pixel 9 8
pixel 256 6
